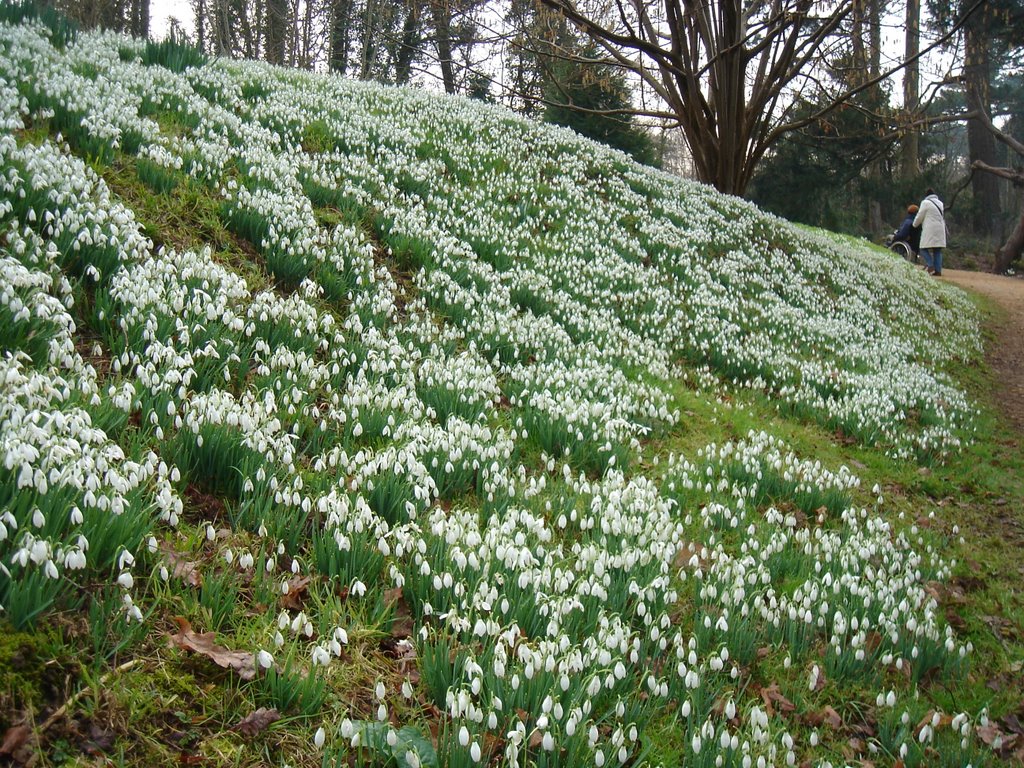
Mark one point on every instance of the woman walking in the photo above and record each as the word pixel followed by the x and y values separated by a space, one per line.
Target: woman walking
pixel 931 219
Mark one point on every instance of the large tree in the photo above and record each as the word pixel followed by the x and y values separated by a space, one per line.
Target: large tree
pixel 910 168
pixel 1013 249
pixel 991 41
pixel 720 67
pixel 727 71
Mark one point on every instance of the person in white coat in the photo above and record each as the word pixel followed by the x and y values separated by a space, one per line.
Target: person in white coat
pixel 931 219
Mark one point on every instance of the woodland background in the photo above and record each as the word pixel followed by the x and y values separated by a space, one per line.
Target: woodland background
pixel 828 122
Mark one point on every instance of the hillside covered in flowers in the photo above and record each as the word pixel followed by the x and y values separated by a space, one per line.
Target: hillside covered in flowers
pixel 394 429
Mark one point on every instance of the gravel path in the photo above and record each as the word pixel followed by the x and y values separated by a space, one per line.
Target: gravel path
pixel 1006 352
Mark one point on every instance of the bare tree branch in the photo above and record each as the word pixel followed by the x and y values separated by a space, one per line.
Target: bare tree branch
pixel 1017 177
pixel 872 82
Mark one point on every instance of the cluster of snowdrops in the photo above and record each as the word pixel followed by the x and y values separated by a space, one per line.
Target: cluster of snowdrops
pixel 447 387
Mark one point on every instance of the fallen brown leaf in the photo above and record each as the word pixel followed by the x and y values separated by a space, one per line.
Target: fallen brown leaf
pixel 100 740
pixel 827 716
pixel 181 567
pixel 296 595
pixel 865 729
pixel 256 722
pixel 14 739
pixel 990 734
pixel 772 695
pixel 241 662
pixel 1013 724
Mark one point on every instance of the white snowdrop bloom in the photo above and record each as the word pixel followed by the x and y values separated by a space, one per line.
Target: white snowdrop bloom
pixel 320 656
pixel 265 659
pixel 533 296
pixel 813 677
pixel 319 737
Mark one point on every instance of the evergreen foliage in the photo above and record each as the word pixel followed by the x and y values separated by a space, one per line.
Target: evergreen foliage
pixel 817 175
pixel 594 100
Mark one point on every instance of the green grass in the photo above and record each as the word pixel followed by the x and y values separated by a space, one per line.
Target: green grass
pixel 162 709
pixel 188 219
pixel 980 490
pixel 164 706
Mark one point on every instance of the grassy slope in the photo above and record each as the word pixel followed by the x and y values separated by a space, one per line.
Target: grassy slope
pixel 150 705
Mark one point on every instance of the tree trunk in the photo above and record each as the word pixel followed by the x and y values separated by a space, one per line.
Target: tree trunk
pixel 1012 249
pixel 407 46
pixel 369 32
pixel 138 18
pixel 143 30
pixel 341 34
pixel 246 31
pixel 981 144
pixel 875 30
pixel 199 7
pixel 112 15
pixel 875 222
pixel 306 59
pixel 277 22
pixel 443 30
pixel 222 28
pixel 911 165
pixel 859 70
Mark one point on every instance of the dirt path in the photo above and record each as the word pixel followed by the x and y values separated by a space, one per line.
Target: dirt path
pixel 1006 354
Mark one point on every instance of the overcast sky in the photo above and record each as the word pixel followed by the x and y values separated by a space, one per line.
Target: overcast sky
pixel 162 10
